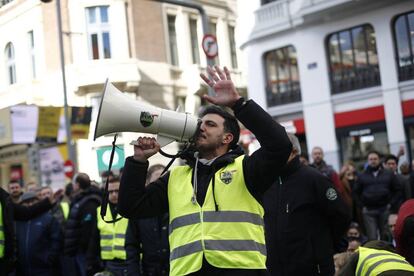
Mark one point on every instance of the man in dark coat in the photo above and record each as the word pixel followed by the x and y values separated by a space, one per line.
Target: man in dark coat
pixel 304 218
pixel 217 150
pixel 377 192
pixel 146 241
pixel 39 242
pixel 80 224
pixel 10 212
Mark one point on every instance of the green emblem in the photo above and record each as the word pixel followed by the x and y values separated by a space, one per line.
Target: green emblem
pixel 226 177
pixel 146 119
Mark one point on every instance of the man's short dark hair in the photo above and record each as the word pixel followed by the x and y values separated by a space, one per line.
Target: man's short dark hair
pixel 374 152
pixel 14 181
pixel 107 173
pixel 83 180
pixel 391 157
pixel 154 168
pixel 230 122
pixel 68 189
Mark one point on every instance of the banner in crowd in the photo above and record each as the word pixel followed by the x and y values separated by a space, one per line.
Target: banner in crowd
pixel 80 121
pixel 27 124
pixel 52 166
pixel 24 123
pixel 48 124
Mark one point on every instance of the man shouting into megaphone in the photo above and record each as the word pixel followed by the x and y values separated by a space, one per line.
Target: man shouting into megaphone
pixel 216 219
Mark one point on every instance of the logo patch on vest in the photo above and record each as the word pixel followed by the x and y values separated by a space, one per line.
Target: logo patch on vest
pixel 146 119
pixel 227 176
pixel 331 194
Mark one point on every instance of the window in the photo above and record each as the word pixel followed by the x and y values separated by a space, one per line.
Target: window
pixel 31 46
pixel 233 51
pixel 194 41
pixel 282 76
pixel 173 40
pixel 98 30
pixel 10 63
pixel 404 44
pixel 213 30
pixel 353 59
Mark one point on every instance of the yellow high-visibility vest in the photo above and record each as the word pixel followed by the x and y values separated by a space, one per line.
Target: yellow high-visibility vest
pixel 373 262
pixel 65 209
pixel 232 237
pixel 2 240
pixel 112 236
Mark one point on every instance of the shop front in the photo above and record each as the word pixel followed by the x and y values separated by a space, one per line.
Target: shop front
pixel 355 142
pixel 360 131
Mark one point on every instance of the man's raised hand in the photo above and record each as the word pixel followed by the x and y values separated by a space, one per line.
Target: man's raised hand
pixel 226 93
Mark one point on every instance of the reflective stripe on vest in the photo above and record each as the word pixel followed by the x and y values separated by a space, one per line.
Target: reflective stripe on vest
pixel 1 232
pixel 112 236
pixel 374 261
pixel 65 209
pixel 232 237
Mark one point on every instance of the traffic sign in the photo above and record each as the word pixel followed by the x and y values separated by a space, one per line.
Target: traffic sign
pixel 210 46
pixel 69 168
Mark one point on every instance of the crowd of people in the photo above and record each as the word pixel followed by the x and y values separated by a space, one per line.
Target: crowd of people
pixel 224 212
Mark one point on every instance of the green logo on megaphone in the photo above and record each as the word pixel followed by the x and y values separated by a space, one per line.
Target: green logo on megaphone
pixel 146 119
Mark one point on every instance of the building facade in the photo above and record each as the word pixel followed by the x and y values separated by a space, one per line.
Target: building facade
pixel 147 49
pixel 338 73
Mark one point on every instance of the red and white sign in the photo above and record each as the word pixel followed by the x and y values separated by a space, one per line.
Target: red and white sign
pixel 210 46
pixel 68 168
pixel 16 173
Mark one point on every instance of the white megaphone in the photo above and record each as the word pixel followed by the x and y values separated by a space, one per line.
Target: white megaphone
pixel 119 113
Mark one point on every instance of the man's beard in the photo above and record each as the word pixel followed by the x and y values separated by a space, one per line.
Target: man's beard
pixel 205 149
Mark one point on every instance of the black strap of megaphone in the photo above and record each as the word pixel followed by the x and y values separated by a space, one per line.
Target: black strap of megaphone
pixel 105 196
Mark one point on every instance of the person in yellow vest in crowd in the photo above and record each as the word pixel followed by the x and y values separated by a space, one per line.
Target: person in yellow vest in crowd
pixel 376 258
pixel 107 248
pixel 61 210
pixel 216 219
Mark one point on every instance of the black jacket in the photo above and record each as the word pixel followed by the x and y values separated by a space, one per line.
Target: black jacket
pixel 304 218
pixel 39 243
pixel 81 221
pixel 377 192
pixel 259 169
pixel 150 237
pixel 11 212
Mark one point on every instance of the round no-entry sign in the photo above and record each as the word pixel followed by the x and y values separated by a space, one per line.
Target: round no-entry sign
pixel 69 168
pixel 210 46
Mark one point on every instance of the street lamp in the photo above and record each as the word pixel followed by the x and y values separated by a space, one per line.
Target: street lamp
pixel 70 147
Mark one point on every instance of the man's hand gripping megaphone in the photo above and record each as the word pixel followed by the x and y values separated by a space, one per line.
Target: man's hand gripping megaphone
pixel 226 95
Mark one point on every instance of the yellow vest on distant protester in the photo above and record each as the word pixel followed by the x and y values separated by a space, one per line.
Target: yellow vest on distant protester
pixel 2 240
pixel 373 262
pixel 65 209
pixel 232 237
pixel 112 236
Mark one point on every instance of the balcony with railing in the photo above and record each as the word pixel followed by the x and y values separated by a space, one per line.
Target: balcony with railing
pixel 273 16
pixel 279 15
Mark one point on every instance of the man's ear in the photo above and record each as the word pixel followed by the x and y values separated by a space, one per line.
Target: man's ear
pixel 227 138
